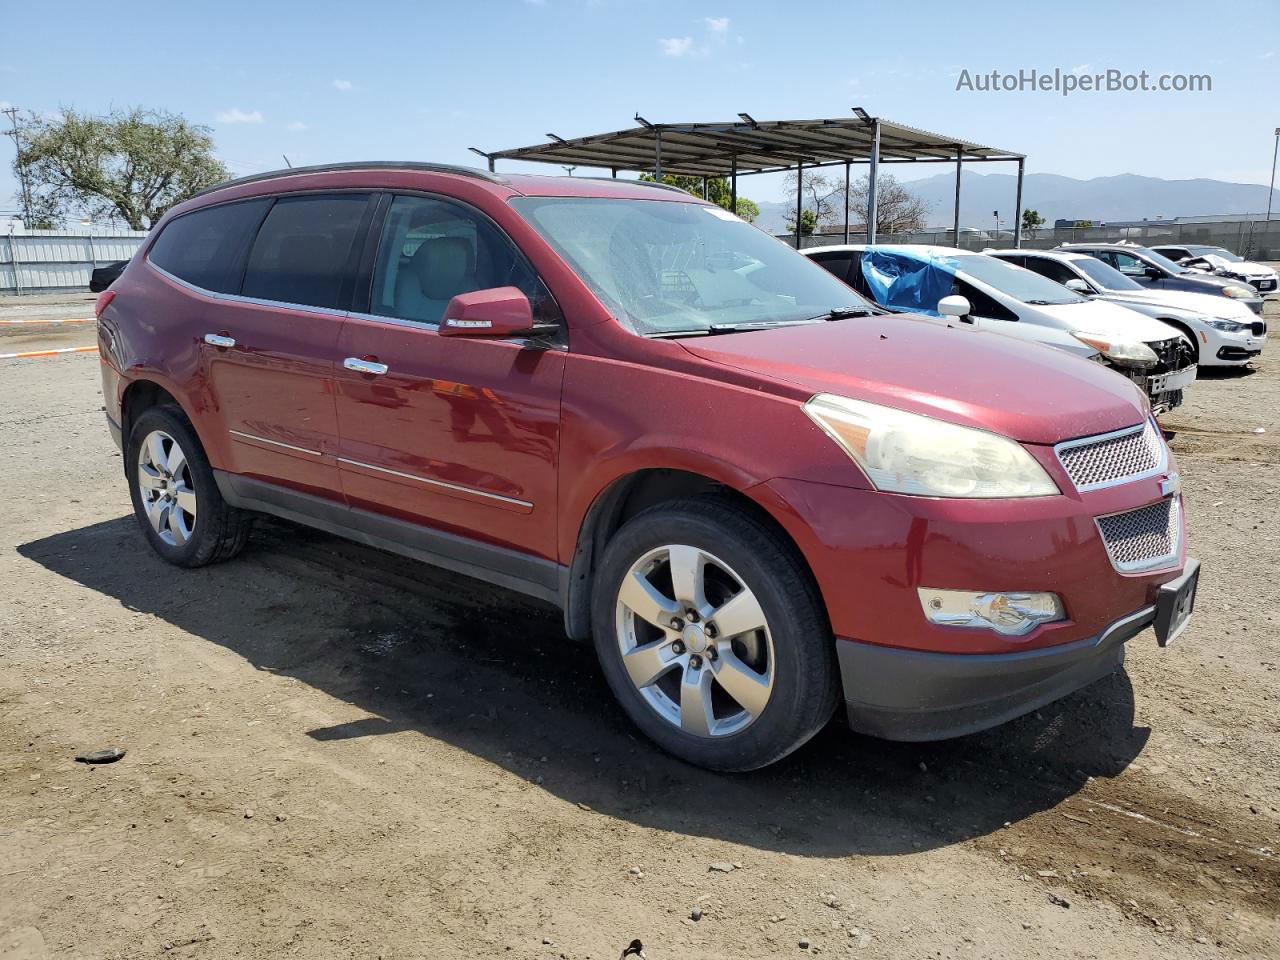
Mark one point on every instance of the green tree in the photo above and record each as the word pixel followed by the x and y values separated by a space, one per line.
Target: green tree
pixel 718 192
pixel 1031 222
pixel 808 223
pixel 130 165
pixel 1084 224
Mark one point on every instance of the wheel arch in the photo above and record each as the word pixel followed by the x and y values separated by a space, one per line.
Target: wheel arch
pixel 143 393
pixel 623 498
pixel 1182 327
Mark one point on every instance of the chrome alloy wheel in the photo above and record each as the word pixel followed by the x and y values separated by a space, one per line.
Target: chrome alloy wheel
pixel 168 493
pixel 694 641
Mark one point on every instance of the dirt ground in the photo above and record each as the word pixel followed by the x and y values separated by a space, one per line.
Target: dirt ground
pixel 333 752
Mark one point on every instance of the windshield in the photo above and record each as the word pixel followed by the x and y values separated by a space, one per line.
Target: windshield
pixel 1160 260
pixel 1014 281
pixel 1222 252
pixel 1105 275
pixel 670 267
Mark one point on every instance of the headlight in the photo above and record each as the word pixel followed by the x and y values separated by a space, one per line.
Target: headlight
pixel 908 453
pixel 1239 293
pixel 1227 326
pixel 1124 352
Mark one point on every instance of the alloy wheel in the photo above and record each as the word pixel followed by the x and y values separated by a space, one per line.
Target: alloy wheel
pixel 167 489
pixel 695 641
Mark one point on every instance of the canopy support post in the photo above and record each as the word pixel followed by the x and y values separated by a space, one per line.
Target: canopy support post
pixel 1017 208
pixel 847 165
pixel 956 228
pixel 871 180
pixel 657 155
pixel 799 197
pixel 733 183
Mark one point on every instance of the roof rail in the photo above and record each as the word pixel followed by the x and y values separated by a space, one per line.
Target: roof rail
pixel 365 165
pixel 643 183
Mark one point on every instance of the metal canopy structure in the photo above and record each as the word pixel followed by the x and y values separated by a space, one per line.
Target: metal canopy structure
pixel 750 146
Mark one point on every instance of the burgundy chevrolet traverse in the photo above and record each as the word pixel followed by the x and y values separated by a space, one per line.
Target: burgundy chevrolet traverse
pixel 758 494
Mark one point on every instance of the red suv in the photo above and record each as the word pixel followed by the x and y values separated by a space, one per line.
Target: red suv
pixel 757 492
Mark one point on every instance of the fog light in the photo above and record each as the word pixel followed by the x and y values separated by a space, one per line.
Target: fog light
pixel 1012 614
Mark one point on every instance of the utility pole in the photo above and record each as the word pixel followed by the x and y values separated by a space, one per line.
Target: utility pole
pixel 1275 150
pixel 12 114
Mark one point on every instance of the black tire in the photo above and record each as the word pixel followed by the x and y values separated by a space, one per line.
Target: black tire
pixel 806 685
pixel 219 531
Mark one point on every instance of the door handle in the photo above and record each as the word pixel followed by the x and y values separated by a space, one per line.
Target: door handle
pixel 218 340
pixel 365 366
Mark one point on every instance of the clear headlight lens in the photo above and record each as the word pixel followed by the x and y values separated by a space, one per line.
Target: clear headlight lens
pixel 1012 614
pixel 1128 353
pixel 1227 326
pixel 1239 293
pixel 907 453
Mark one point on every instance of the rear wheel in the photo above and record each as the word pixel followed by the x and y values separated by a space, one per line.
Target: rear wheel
pixel 175 497
pixel 712 636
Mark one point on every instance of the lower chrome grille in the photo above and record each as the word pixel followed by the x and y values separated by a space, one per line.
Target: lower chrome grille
pixel 1144 538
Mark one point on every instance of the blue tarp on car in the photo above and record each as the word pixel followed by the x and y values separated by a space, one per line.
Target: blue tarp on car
pixel 902 281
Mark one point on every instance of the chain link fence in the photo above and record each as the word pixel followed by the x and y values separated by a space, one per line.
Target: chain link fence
pixel 1252 239
pixel 52 261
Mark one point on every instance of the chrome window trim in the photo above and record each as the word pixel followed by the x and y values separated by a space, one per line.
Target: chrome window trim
pixel 395 321
pixel 237 298
pixel 1175 542
pixel 1160 467
pixel 274 443
pixel 437 483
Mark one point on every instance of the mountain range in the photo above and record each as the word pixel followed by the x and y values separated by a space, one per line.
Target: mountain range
pixel 1101 199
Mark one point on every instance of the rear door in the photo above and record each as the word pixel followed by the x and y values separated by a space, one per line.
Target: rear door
pixel 456 433
pixel 270 353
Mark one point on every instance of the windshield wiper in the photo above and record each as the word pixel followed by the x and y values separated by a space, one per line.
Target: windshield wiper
pixel 757 325
pixel 843 313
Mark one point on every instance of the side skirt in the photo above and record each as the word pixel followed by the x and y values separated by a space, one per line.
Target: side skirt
pixel 534 576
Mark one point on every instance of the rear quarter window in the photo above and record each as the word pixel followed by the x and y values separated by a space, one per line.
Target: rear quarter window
pixel 207 247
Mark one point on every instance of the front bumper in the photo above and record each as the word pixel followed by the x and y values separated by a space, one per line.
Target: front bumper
pixel 913 695
pixel 1221 349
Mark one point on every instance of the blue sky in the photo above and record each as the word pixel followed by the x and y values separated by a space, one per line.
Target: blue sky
pixel 339 81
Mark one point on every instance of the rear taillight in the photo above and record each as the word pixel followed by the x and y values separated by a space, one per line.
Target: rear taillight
pixel 104 299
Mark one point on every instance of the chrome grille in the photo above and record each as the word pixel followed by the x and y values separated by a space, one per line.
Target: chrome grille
pixel 1143 538
pixel 1112 458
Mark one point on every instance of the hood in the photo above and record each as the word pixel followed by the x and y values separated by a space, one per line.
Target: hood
pixel 1203 303
pixel 1246 268
pixel 1206 280
pixel 939 368
pixel 1110 320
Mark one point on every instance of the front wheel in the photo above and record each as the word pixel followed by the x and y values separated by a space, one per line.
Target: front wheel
pixel 174 494
pixel 712 635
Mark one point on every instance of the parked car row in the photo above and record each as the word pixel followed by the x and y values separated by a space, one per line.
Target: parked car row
pixel 1223 263
pixel 761 495
pixel 991 294
pixel 1151 320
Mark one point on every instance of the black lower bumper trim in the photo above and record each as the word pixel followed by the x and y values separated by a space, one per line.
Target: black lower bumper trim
pixel 116 433
pixel 913 695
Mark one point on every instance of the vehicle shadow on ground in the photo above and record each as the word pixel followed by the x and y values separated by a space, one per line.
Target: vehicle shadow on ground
pixel 491 672
pixel 1225 373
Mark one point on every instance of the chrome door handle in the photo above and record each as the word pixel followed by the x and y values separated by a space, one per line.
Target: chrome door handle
pixel 219 341
pixel 365 366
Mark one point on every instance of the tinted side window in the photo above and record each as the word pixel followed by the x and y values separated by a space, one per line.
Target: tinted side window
pixel 432 250
pixel 207 247
pixel 836 263
pixel 1129 266
pixel 301 253
pixel 1052 269
pixel 980 304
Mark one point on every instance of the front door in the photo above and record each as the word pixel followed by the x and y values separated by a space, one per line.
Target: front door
pixel 270 353
pixel 455 433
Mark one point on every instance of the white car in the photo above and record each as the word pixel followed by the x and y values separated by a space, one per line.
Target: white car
pixel 1225 333
pixel 1223 263
pixel 994 295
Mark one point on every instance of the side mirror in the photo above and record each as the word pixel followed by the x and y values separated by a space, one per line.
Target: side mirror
pixel 954 306
pixel 498 312
pixel 1076 285
pixel 1153 273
